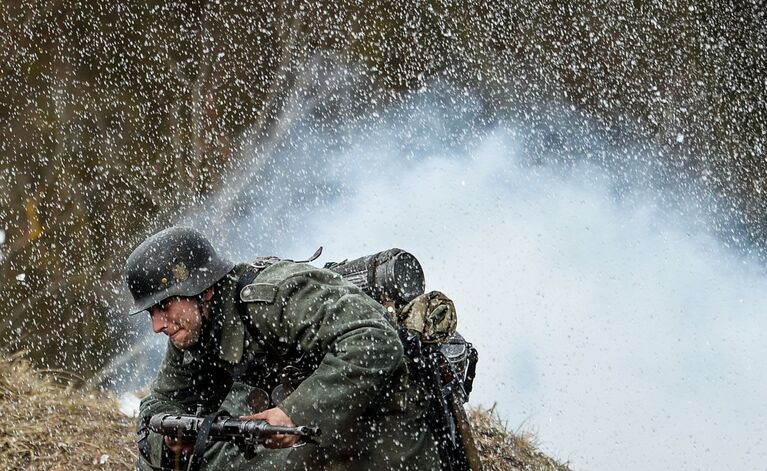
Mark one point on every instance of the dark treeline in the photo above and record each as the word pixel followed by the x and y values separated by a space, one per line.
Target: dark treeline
pixel 117 117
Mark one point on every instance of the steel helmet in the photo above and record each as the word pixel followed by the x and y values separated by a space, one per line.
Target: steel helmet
pixel 177 261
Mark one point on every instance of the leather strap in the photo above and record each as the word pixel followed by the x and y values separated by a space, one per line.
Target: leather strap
pixel 198 458
pixel 471 371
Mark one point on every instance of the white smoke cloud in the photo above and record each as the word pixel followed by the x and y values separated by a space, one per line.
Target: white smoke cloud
pixel 620 331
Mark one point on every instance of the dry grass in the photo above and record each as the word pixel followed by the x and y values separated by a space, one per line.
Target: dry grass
pixel 502 450
pixel 44 425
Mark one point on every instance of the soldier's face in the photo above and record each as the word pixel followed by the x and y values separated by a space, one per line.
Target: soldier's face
pixel 179 318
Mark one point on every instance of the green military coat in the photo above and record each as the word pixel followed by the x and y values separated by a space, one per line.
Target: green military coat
pixel 352 376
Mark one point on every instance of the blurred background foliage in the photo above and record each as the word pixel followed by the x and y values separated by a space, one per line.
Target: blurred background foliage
pixel 118 117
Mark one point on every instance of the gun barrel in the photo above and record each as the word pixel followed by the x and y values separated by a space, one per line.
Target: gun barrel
pixel 261 427
pixel 175 425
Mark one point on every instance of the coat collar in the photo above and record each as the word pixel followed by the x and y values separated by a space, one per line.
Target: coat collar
pixel 232 340
pixel 224 338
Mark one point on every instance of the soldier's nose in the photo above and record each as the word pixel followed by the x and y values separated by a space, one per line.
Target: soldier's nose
pixel 158 321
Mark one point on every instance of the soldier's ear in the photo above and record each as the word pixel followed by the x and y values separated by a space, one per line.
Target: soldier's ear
pixel 207 295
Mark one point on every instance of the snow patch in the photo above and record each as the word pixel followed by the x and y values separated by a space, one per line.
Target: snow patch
pixel 129 404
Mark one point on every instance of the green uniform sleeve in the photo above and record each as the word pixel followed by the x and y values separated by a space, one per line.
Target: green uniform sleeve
pixel 180 386
pixel 360 350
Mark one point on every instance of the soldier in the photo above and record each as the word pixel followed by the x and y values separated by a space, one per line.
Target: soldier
pixel 324 349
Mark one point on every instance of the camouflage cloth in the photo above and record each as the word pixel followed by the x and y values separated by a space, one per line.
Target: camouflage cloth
pixel 329 346
pixel 432 315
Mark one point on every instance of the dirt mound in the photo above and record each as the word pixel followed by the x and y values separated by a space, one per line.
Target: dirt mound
pixel 46 425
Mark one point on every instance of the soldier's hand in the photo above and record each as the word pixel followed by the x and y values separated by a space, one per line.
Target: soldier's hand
pixel 276 416
pixel 179 446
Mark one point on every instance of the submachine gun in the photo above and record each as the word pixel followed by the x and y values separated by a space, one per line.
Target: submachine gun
pixel 247 434
pixel 439 358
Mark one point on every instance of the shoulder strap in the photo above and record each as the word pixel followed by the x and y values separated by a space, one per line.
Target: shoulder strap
pixel 247 278
pixel 259 264
pixel 253 270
